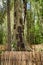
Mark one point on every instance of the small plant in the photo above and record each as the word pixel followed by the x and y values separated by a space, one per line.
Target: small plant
pixel 13 46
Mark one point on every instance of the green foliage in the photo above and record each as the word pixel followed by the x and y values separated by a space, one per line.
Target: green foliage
pixel 2 16
pixel 14 47
pixel 1 36
pixel 34 26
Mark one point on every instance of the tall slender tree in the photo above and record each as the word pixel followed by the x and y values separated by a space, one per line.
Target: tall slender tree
pixel 8 26
pixel 25 9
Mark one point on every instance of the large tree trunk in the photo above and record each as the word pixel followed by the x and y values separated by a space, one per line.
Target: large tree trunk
pixel 18 25
pixel 9 26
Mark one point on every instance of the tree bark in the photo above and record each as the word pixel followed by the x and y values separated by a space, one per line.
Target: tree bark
pixel 8 26
pixel 18 25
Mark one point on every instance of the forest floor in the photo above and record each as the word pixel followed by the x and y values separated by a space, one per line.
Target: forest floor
pixel 38 47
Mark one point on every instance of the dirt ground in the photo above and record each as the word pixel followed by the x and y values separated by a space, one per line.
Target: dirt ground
pixel 38 47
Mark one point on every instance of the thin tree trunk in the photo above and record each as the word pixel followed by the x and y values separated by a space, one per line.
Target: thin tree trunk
pixel 25 20
pixel 9 26
pixel 25 9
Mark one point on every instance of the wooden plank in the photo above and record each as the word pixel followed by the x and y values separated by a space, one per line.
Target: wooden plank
pixel 21 58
